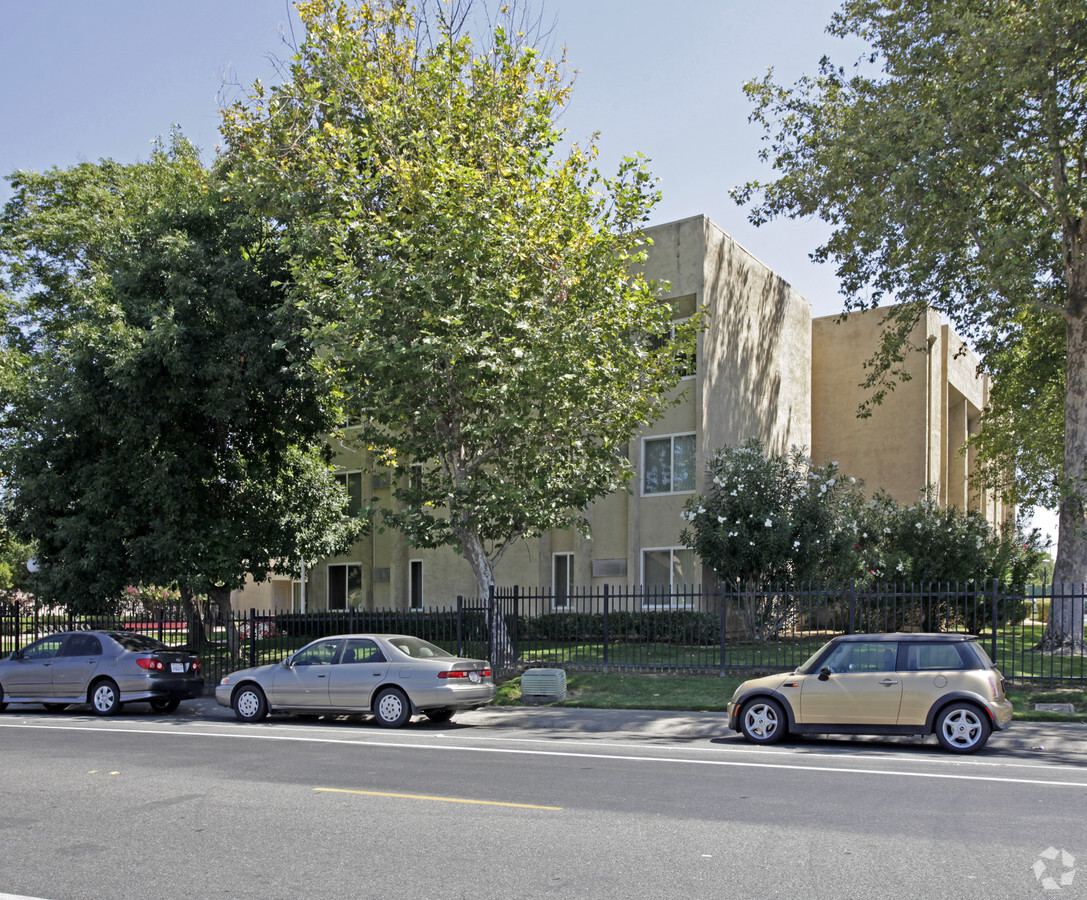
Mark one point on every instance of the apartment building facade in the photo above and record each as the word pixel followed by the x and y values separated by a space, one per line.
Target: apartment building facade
pixel 764 368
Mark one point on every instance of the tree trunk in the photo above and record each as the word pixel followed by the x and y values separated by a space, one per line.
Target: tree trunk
pixel 1064 631
pixel 471 547
pixel 197 633
pixel 220 596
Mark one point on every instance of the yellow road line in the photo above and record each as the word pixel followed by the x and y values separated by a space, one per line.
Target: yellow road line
pixel 438 799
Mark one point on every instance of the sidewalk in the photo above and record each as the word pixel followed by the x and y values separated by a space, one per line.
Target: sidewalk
pixel 1063 743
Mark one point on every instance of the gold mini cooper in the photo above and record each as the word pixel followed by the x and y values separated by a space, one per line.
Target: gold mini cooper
pixel 880 684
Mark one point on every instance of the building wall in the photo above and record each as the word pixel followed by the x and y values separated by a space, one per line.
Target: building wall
pixel 915 437
pixel 765 369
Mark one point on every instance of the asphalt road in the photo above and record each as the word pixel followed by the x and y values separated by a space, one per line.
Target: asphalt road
pixel 527 803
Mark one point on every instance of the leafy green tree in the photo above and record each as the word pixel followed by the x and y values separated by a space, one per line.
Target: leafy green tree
pixel 471 285
pixel 950 163
pixel 166 429
pixel 775 518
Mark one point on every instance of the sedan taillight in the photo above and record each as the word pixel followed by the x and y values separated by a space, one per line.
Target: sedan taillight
pixel 148 663
pixel 461 673
pixel 196 665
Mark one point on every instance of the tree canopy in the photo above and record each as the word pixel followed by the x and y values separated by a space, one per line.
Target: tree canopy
pixel 951 163
pixel 164 425
pixel 471 283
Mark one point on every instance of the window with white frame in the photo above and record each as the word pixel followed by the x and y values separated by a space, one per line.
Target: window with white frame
pixel 562 568
pixel 344 579
pixel 415 584
pixel 667 569
pixel 351 482
pixel 668 464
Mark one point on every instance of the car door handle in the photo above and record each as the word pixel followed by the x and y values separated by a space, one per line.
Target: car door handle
pixel 889 682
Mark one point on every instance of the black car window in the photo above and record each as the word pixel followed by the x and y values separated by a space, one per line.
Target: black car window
pixel 360 650
pixel 46 648
pixel 863 656
pixel 924 657
pixel 82 645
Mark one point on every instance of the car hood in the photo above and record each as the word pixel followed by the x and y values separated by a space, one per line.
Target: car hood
pixel 257 672
pixel 767 682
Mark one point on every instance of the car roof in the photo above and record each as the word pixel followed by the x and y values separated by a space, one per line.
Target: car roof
pixel 910 637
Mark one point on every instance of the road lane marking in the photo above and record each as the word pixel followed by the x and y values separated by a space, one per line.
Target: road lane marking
pixel 436 799
pixel 726 763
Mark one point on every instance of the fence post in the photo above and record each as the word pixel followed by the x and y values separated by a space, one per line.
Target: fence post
pixel 606 606
pixel 252 637
pixel 515 635
pixel 852 625
pixel 992 646
pixel 460 625
pixel 724 629
pixel 18 625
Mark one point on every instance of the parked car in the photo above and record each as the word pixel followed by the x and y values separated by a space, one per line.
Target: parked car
pixel 393 676
pixel 103 668
pixel 880 684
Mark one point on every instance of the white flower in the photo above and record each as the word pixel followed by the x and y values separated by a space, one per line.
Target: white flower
pixel 768 523
pixel 720 520
pixel 830 483
pixel 701 510
pixel 796 544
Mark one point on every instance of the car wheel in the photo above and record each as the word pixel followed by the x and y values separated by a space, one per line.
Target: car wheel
pixel 438 715
pixel 391 708
pixel 763 721
pixel 962 728
pixel 165 706
pixel 105 698
pixel 55 707
pixel 249 703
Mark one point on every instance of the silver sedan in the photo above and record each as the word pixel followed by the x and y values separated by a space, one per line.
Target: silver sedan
pixel 103 668
pixel 392 676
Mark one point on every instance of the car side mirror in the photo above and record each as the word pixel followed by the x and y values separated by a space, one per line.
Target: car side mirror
pixel 824 673
pixel 286 662
pixel 16 654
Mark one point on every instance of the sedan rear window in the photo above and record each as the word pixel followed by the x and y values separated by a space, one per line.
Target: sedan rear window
pixel 137 643
pixel 417 648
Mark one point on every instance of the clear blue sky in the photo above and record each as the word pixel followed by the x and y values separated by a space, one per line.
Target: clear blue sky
pixel 87 80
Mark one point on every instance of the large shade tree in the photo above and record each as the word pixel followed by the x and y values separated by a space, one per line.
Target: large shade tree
pixel 471 281
pixel 951 163
pixel 164 423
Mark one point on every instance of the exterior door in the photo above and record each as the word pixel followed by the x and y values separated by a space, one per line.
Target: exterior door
pixel 360 668
pixel 862 688
pixel 75 664
pixel 305 682
pixel 33 676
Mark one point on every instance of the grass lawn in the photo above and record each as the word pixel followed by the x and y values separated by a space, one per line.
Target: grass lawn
pixel 587 690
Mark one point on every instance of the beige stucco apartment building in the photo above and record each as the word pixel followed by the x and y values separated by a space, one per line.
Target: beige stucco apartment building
pixel 765 368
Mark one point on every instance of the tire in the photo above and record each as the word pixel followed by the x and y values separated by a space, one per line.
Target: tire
pixel 762 721
pixel 249 703
pixel 438 715
pixel 165 706
pixel 962 728
pixel 105 698
pixel 391 708
pixel 55 707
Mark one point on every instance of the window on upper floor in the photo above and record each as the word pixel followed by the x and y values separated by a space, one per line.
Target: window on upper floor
pixel 352 483
pixel 668 464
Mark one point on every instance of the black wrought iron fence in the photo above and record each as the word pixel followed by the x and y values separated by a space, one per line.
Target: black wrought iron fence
pixel 690 629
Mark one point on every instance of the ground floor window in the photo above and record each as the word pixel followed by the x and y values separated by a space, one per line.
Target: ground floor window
pixel 666 570
pixel 562 569
pixel 344 579
pixel 415 584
